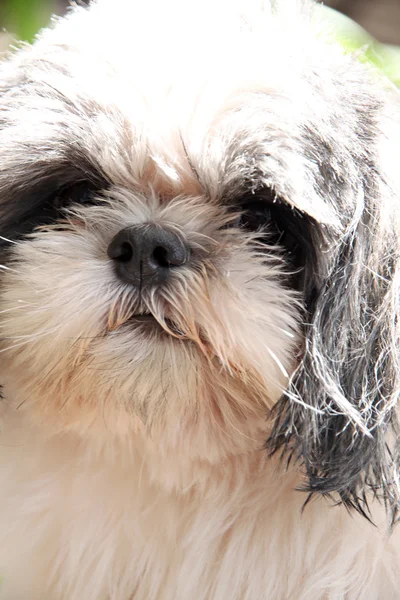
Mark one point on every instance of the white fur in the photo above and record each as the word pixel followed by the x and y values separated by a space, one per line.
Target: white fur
pixel 118 522
pixel 132 463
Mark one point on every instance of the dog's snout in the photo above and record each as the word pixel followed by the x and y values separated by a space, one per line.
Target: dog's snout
pixel 147 254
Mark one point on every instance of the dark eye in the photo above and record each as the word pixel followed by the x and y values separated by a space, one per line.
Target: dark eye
pixel 278 223
pixel 254 215
pixel 267 218
pixel 81 192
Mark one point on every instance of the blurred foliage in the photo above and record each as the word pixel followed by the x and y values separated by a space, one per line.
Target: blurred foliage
pixel 385 57
pixel 24 18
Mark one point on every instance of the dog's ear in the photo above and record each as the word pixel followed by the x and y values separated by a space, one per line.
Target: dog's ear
pixel 339 414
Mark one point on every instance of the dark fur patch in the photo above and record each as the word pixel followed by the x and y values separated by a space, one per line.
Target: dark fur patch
pixel 28 202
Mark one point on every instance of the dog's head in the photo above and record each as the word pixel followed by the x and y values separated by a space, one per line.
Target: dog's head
pixel 199 237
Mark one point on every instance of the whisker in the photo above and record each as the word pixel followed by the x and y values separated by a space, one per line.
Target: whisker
pixel 8 269
pixel 287 333
pixel 277 361
pixel 9 241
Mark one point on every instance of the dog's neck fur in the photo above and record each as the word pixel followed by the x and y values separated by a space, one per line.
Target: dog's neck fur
pixel 169 526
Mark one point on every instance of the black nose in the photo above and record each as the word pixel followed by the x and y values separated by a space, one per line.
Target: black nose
pixel 147 254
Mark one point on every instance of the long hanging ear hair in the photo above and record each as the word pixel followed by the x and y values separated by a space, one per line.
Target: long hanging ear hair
pixel 338 416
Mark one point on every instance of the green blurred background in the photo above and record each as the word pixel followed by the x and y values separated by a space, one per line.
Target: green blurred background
pixel 21 19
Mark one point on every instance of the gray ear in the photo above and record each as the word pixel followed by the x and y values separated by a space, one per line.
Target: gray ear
pixel 339 412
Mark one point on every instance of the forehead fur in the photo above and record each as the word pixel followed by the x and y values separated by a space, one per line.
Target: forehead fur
pixel 210 103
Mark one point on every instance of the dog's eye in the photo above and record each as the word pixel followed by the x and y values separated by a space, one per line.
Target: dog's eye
pixel 276 222
pixel 254 215
pixel 82 192
pixel 264 217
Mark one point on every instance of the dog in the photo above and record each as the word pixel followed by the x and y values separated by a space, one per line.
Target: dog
pixel 199 308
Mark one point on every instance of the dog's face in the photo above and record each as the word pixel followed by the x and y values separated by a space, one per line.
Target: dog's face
pixel 189 236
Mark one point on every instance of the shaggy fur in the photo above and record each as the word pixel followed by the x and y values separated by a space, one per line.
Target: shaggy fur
pixel 205 438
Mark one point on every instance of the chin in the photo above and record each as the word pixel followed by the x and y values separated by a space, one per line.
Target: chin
pixel 199 309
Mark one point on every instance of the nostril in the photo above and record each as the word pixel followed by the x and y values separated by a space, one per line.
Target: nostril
pixel 160 256
pixel 125 252
pixel 121 250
